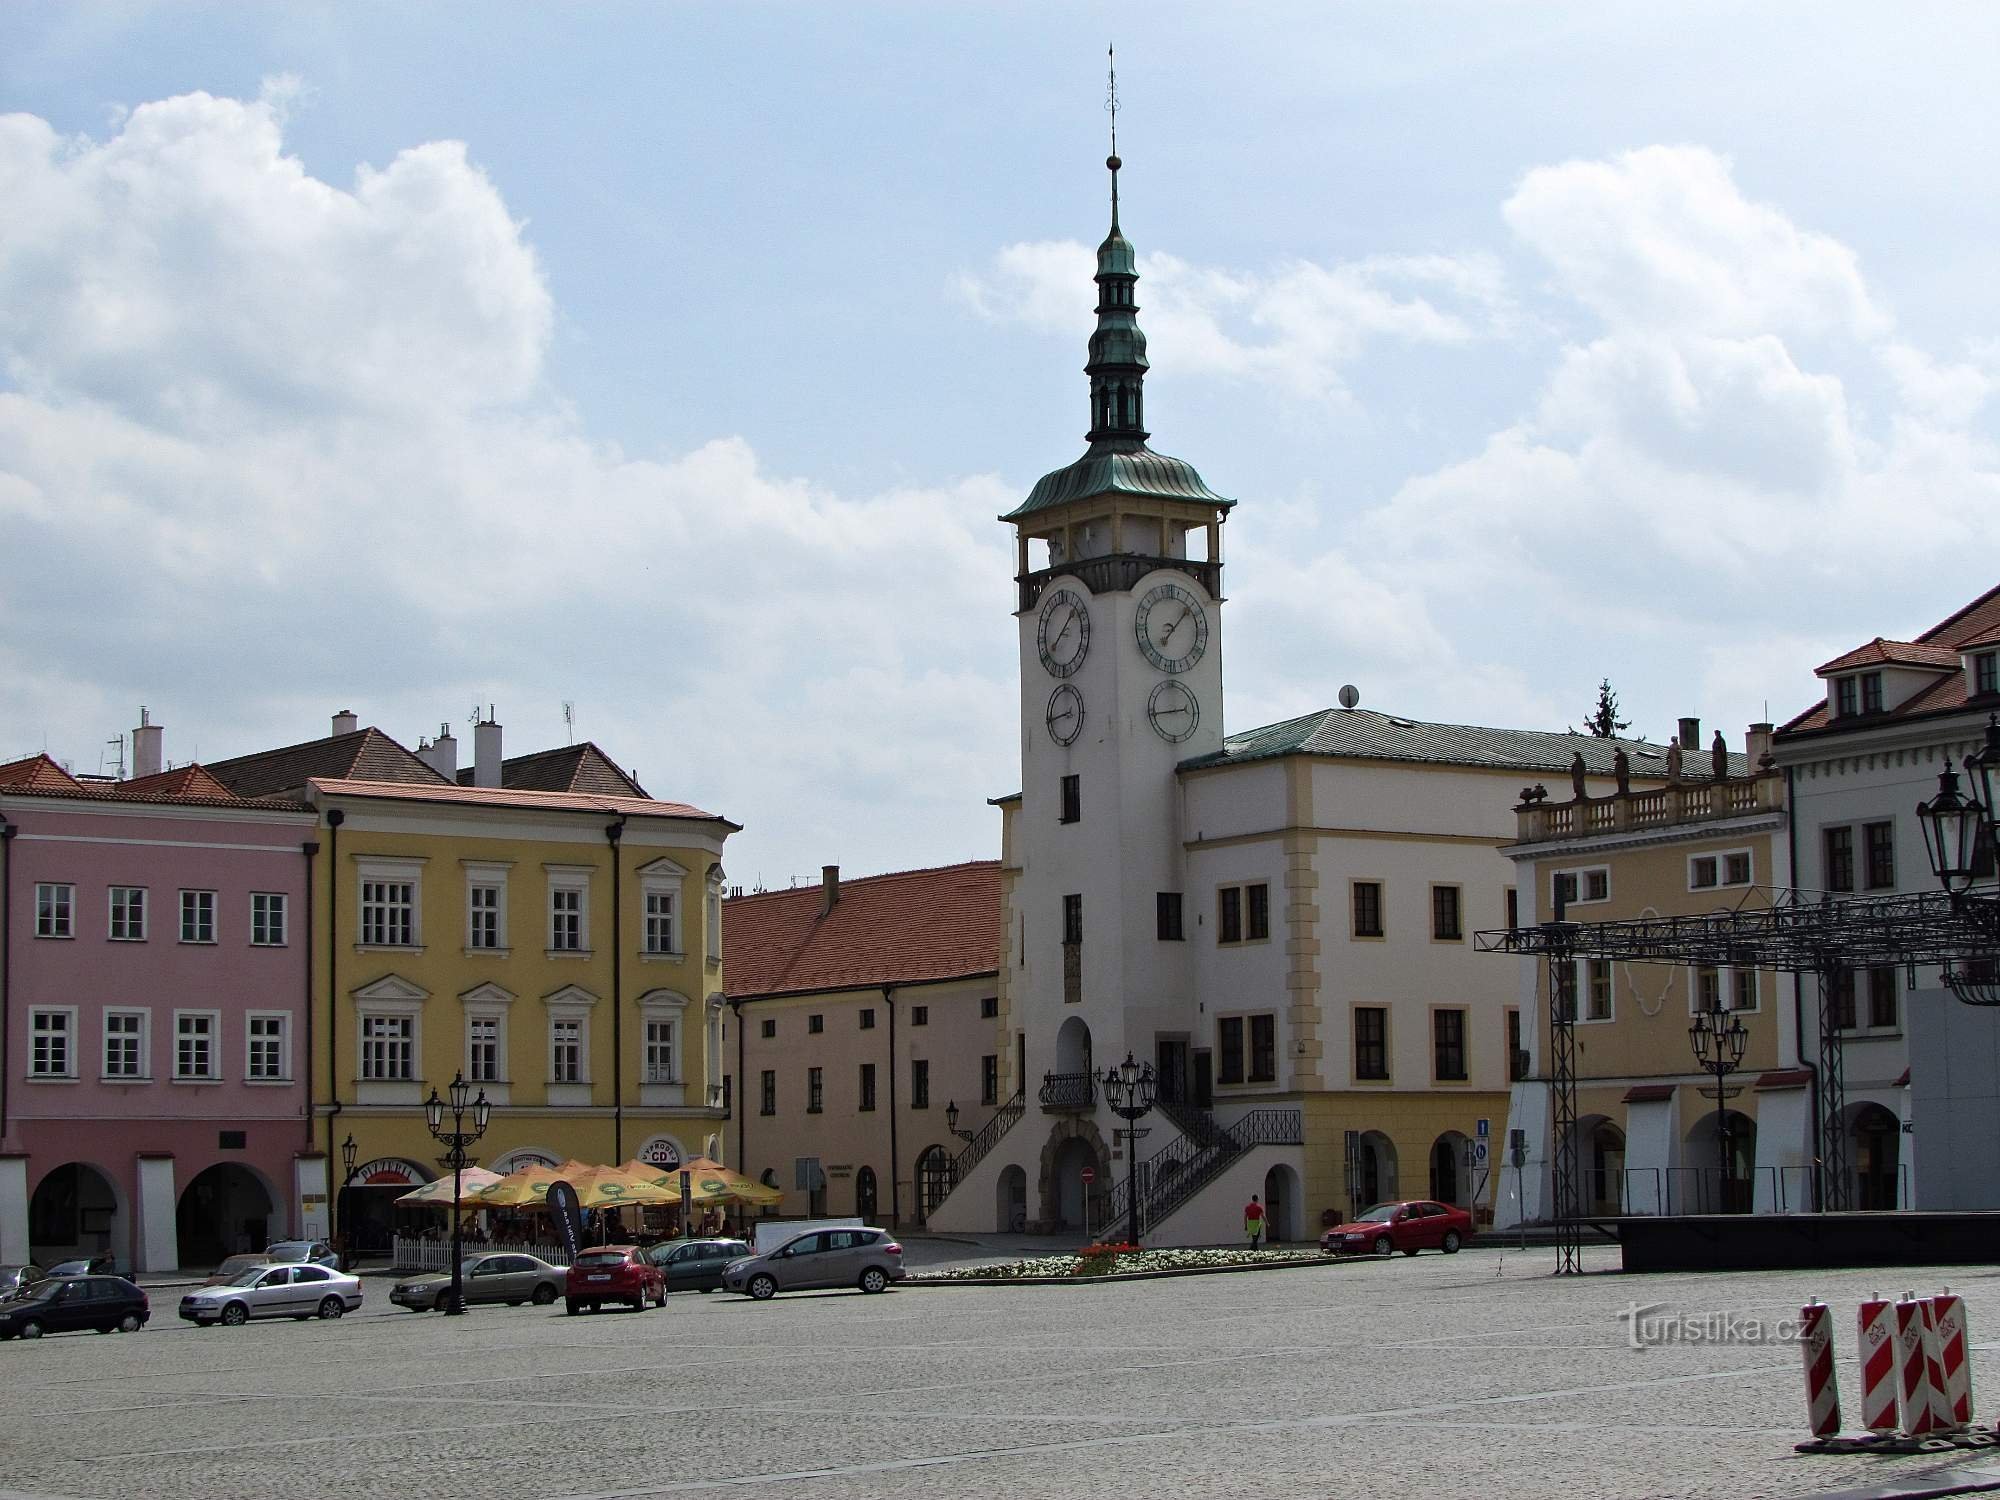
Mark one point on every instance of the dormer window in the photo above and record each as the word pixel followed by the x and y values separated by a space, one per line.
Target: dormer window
pixel 1986 672
pixel 1846 697
pixel 1871 692
pixel 1860 693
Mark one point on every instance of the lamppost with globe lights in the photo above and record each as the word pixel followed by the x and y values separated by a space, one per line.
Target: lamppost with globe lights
pixel 339 1230
pixel 1959 834
pixel 1718 1038
pixel 455 1140
pixel 1128 1089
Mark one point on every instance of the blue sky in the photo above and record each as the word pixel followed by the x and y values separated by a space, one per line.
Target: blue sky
pixel 1540 343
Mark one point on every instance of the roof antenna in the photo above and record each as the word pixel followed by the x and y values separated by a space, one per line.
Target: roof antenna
pixel 569 720
pixel 1111 104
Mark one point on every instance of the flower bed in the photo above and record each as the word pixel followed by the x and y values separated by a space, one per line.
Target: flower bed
pixel 1106 1260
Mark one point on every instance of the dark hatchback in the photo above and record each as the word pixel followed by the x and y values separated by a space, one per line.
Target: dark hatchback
pixel 696 1265
pixel 70 1304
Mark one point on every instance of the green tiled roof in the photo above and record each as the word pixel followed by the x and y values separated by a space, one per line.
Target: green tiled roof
pixel 1133 470
pixel 1365 735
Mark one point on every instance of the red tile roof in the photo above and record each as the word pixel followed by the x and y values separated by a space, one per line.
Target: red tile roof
pixel 1974 624
pixel 567 768
pixel 183 781
pixel 1880 652
pixel 493 796
pixel 903 928
pixel 37 774
pixel 364 755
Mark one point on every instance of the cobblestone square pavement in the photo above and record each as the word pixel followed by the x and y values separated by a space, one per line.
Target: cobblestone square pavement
pixel 1477 1374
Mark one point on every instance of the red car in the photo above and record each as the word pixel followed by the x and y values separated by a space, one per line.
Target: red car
pixel 614 1273
pixel 1409 1227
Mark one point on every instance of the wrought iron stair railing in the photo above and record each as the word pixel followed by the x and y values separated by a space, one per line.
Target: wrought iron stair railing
pixel 1003 1120
pixel 1204 1150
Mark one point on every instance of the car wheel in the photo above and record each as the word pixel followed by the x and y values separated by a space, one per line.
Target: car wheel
pixel 331 1308
pixel 762 1288
pixel 544 1295
pixel 31 1329
pixel 1451 1242
pixel 874 1279
pixel 235 1315
pixel 130 1323
pixel 597 1307
pixel 1384 1245
pixel 572 1308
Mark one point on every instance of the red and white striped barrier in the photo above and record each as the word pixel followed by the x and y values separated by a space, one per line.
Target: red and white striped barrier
pixel 1916 1352
pixel 1822 1386
pixel 1954 1376
pixel 1878 1366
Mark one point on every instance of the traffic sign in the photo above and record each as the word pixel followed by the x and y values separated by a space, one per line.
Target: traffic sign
pixel 1090 1174
pixel 1485 1127
pixel 1479 1153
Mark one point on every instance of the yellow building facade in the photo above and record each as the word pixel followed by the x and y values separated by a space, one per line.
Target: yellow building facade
pixel 561 951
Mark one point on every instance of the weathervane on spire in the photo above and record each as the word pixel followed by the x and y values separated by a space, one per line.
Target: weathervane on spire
pixel 1111 104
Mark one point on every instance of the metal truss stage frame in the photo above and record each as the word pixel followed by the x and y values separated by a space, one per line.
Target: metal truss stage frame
pixel 1790 931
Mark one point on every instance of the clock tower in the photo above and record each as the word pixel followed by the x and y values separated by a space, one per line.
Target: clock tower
pixel 1119 609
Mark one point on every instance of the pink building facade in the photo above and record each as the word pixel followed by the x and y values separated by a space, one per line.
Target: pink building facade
pixel 154 970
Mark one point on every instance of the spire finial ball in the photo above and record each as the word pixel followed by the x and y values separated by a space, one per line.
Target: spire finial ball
pixel 1113 163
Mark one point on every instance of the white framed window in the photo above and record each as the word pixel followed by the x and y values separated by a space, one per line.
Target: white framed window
pixel 569 909
pixel 128 914
pixel 197 916
pixel 1581 887
pixel 482 1049
pixel 268 919
pixel 52 1041
pixel 55 909
pixel 661 934
pixel 660 1052
pixel 566 1050
pixel 267 1047
pixel 1731 867
pixel 712 915
pixel 486 906
pixel 127 1053
pixel 388 913
pixel 388 1049
pixel 195 1037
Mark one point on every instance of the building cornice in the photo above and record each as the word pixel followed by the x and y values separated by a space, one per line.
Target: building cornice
pixel 1644 838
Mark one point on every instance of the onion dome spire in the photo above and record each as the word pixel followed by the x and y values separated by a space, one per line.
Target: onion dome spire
pixel 1117 367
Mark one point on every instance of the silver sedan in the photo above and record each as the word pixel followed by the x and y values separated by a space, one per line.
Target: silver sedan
pixel 295 1291
pixel 502 1276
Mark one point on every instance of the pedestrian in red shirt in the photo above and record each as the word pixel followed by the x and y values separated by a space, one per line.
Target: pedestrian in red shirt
pixel 1253 1220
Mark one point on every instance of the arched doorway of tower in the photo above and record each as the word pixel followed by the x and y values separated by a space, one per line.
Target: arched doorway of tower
pixel 77 1211
pixel 1876 1153
pixel 1375 1181
pixel 1066 1201
pixel 1281 1204
pixel 224 1210
pixel 933 1180
pixel 1450 1169
pixel 1600 1164
pixel 864 1194
pixel 1071 1083
pixel 1720 1191
pixel 1011 1201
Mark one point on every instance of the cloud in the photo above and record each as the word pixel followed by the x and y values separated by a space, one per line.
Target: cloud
pixel 275 447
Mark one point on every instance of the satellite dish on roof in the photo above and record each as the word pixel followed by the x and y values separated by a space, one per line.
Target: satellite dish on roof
pixel 1349 696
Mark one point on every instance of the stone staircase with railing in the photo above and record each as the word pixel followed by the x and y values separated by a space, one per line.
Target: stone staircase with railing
pixel 954 1170
pixel 1202 1151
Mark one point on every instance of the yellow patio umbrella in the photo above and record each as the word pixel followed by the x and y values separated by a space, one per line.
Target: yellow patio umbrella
pixel 610 1187
pixel 438 1194
pixel 526 1187
pixel 709 1181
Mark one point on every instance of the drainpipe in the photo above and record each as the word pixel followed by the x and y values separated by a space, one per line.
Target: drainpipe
pixel 895 1177
pixel 7 832
pixel 309 848
pixel 613 832
pixel 737 1096
pixel 334 818
pixel 1798 999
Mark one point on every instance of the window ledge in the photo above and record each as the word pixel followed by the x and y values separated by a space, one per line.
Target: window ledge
pixel 489 952
pixel 269 1083
pixel 646 956
pixel 388 947
pixel 124 940
pixel 196 942
pixel 124 1078
pixel 55 937
pixel 569 953
pixel 53 1078
pixel 199 1083
pixel 255 944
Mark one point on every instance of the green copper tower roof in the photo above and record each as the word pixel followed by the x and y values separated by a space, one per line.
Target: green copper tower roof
pixel 1118 460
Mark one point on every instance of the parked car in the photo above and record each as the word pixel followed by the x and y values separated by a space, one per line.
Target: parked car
pixel 613 1273
pixel 318 1252
pixel 695 1265
pixel 17 1279
pixel 298 1290
pixel 1417 1224
pixel 503 1276
pixel 69 1304
pixel 234 1266
pixel 95 1265
pixel 867 1258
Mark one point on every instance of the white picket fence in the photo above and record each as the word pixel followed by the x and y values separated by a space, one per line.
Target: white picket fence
pixel 413 1254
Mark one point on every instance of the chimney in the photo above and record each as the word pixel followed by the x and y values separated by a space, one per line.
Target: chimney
pixel 441 755
pixel 146 746
pixel 1757 745
pixel 829 888
pixel 1690 734
pixel 486 750
pixel 344 722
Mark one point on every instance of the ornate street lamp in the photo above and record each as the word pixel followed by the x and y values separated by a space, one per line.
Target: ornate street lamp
pixel 1718 1038
pixel 1128 1089
pixel 335 1228
pixel 455 1140
pixel 1951 823
pixel 951 1121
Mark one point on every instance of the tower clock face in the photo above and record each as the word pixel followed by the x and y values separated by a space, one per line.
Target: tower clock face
pixel 1063 633
pixel 1172 628
pixel 1173 711
pixel 1065 715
